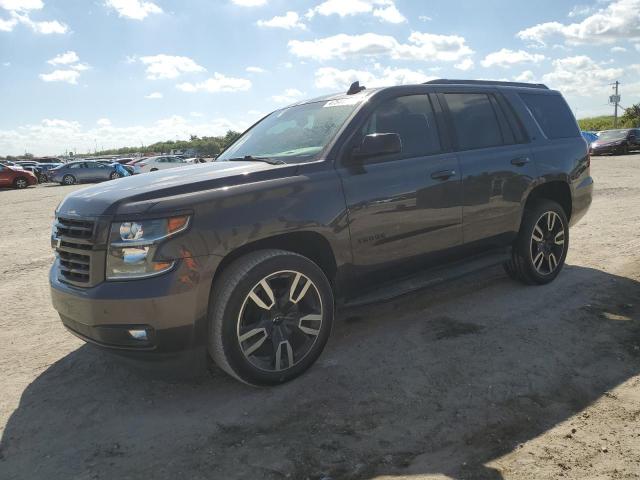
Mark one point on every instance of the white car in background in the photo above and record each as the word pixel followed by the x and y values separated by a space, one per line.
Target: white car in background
pixel 162 162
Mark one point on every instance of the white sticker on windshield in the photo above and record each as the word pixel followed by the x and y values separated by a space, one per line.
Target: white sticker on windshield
pixel 342 102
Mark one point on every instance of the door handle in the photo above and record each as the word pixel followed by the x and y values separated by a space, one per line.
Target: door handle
pixel 443 174
pixel 520 161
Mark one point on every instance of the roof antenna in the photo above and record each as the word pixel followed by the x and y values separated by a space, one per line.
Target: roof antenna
pixel 355 88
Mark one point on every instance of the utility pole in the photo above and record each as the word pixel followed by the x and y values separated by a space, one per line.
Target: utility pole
pixel 615 99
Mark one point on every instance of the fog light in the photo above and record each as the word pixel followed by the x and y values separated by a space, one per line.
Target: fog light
pixel 138 334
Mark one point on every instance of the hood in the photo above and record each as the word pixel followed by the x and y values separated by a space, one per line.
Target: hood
pixel 139 193
pixel 604 143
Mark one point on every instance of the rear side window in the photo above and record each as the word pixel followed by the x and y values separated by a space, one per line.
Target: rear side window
pixel 475 120
pixel 552 114
pixel 412 118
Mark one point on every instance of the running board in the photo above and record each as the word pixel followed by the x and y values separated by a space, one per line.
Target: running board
pixel 428 278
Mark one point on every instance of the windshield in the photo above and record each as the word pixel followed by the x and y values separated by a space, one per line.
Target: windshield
pixel 613 135
pixel 295 134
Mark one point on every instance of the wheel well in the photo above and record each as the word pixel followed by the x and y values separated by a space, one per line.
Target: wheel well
pixel 557 191
pixel 309 244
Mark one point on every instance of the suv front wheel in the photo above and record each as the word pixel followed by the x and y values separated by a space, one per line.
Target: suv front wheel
pixel 270 316
pixel 541 247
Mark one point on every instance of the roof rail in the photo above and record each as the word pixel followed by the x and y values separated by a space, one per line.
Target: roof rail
pixel 445 81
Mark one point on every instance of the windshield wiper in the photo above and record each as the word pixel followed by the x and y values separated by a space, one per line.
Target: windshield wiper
pixel 250 158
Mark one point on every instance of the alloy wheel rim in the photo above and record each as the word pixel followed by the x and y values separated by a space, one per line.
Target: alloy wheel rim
pixel 547 243
pixel 280 321
pixel 21 183
pixel 68 180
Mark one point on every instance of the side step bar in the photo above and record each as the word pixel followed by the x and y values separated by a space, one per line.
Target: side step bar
pixel 428 278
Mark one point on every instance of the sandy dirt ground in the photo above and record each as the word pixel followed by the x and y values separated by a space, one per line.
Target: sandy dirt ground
pixel 483 378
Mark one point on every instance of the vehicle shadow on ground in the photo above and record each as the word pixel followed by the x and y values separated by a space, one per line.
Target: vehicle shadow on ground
pixel 437 382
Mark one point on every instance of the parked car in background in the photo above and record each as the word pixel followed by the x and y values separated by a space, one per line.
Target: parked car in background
pixel 37 171
pixel 81 172
pixel 616 142
pixel 590 137
pixel 45 167
pixel 128 168
pixel 16 177
pixel 163 162
pixel 194 160
pixel 9 163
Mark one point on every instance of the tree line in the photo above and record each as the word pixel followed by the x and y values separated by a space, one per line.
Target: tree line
pixel 630 119
pixel 204 146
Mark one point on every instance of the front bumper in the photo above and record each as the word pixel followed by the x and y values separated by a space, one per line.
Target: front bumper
pixel 607 149
pixel 171 308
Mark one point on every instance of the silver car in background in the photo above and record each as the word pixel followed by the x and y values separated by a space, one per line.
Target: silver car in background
pixel 83 171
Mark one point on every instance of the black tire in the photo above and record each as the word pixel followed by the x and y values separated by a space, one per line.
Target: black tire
pixel 521 267
pixel 68 180
pixel 229 303
pixel 20 183
pixel 153 170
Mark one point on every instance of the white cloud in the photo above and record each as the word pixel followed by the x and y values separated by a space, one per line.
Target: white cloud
pixel 21 5
pixel 169 66
pixel 619 20
pixel 526 76
pixel 196 114
pixel 69 76
pixel 154 96
pixel 637 45
pixel 581 76
pixel 288 21
pixel 7 25
pixel 217 83
pixel 290 95
pixel 249 3
pixel 339 80
pixel 385 10
pixel 64 58
pixel 70 71
pixel 104 122
pixel 618 49
pixel 255 70
pixel 581 11
pixel 6 64
pixel 425 18
pixel 134 9
pixel 464 65
pixel 44 27
pixel 505 58
pixel 19 12
pixel 54 136
pixel 421 46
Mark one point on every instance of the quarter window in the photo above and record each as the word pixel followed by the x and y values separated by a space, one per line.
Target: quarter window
pixel 475 120
pixel 552 114
pixel 412 118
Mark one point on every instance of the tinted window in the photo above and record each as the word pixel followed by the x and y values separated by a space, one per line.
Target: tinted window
pixel 412 118
pixel 552 114
pixel 474 120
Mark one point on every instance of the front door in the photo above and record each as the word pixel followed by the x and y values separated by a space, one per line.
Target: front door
pixel 6 176
pixel 404 209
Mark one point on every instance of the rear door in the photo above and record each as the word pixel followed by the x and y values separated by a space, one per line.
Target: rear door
pixel 496 165
pixel 404 209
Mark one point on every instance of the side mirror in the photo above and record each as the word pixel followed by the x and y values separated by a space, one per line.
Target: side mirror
pixel 378 144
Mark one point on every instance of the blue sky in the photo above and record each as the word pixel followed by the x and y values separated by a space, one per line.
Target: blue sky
pixel 76 74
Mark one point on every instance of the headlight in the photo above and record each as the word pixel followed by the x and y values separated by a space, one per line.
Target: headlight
pixel 132 246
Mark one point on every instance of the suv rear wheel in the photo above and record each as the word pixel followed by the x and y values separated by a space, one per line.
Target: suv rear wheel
pixel 270 316
pixel 541 247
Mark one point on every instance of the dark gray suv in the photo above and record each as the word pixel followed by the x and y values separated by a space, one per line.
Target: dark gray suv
pixel 345 199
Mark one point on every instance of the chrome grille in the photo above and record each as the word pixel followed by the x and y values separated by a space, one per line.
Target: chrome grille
pixel 74 250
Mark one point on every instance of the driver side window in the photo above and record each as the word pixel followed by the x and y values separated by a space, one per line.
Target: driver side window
pixel 413 119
